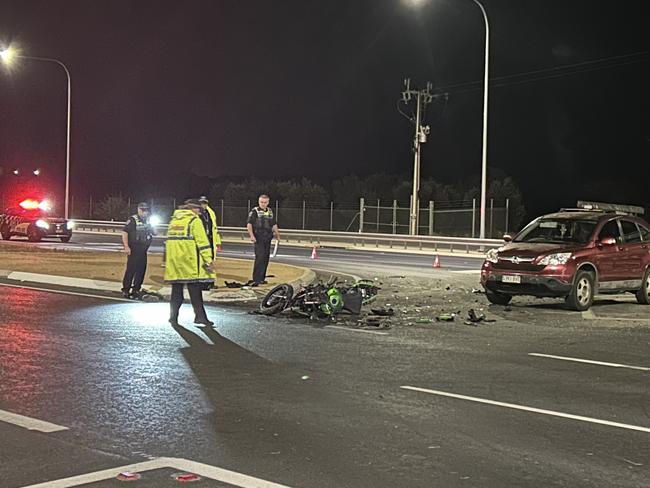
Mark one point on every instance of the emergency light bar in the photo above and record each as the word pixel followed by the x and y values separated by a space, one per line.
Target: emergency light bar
pixel 611 207
pixel 31 204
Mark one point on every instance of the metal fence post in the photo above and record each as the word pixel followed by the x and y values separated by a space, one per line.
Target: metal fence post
pixel 473 217
pixel 507 213
pixel 378 205
pixel 222 212
pixel 362 204
pixel 430 217
pixel 277 211
pixel 331 216
pixel 303 214
pixel 90 207
pixel 71 205
pixel 394 216
pixel 491 215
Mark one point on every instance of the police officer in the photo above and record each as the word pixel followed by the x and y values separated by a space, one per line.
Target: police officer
pixel 188 261
pixel 262 227
pixel 210 223
pixel 137 234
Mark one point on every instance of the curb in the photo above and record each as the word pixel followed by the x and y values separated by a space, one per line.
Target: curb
pixel 114 287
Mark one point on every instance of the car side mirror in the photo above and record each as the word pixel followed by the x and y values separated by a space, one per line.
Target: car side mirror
pixel 507 237
pixel 607 241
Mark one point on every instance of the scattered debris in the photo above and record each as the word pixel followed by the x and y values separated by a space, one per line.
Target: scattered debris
pixel 446 317
pixel 234 284
pixel 305 377
pixel 384 312
pixel 478 290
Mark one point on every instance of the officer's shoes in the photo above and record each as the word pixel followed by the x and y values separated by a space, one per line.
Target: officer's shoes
pixel 126 294
pixel 204 322
pixel 137 295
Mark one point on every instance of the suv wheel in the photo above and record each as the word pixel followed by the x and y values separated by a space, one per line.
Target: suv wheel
pixel 498 298
pixel 643 295
pixel 6 235
pixel 582 292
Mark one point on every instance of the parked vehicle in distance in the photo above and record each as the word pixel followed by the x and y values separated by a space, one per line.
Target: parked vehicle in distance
pixel 575 253
pixel 32 219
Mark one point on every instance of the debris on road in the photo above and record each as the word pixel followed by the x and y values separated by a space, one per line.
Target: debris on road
pixel 383 312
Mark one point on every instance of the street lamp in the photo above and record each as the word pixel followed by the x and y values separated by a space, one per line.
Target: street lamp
pixel 7 56
pixel 486 79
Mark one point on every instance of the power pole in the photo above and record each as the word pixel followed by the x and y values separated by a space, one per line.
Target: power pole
pixel 423 97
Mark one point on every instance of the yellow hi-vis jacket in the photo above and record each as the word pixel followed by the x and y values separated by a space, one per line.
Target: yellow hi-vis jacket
pixel 187 250
pixel 215 233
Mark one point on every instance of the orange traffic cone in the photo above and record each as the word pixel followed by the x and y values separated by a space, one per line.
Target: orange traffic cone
pixel 436 261
pixel 314 255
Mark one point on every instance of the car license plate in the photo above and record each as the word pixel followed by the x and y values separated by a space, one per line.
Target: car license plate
pixel 511 279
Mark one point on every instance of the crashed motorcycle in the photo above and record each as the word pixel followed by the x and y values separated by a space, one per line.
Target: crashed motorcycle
pixel 320 300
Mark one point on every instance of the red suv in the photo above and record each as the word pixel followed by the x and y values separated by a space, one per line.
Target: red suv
pixel 574 253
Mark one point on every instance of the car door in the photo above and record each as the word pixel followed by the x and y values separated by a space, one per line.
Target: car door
pixel 606 256
pixel 633 254
pixel 645 237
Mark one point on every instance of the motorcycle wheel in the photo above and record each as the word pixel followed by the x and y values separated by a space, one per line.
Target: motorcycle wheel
pixel 277 299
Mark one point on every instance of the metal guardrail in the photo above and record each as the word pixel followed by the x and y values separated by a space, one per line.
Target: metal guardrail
pixel 335 239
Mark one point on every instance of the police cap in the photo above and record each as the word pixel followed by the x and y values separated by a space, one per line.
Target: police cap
pixel 143 206
pixel 204 199
pixel 192 202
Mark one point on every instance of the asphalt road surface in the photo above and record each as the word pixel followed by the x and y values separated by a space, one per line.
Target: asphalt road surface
pixel 356 262
pixel 306 405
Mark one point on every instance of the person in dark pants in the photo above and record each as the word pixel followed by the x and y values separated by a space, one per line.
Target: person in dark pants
pixel 188 261
pixel 262 227
pixel 137 234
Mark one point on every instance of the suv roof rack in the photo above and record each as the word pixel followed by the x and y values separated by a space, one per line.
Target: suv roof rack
pixel 607 207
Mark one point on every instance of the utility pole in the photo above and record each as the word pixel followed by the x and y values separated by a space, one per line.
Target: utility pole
pixel 423 97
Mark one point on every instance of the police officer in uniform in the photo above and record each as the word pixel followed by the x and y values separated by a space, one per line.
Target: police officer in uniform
pixel 209 219
pixel 137 234
pixel 262 227
pixel 188 261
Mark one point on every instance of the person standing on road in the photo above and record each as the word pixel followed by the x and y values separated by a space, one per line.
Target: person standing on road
pixel 209 220
pixel 188 261
pixel 137 234
pixel 262 227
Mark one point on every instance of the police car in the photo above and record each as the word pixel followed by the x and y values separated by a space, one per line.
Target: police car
pixel 32 219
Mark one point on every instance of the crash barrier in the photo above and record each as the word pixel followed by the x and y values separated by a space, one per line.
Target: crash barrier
pixel 334 239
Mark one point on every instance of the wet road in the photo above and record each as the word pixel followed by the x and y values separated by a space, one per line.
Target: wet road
pixel 313 406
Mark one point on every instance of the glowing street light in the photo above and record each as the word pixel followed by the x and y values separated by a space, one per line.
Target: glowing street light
pixel 8 56
pixel 37 172
pixel 417 3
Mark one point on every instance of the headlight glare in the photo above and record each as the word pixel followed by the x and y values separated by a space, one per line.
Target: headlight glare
pixel 555 259
pixel 70 224
pixel 492 256
pixel 42 224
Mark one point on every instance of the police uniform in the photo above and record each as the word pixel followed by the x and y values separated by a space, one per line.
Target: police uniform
pixel 140 234
pixel 188 257
pixel 262 222
pixel 210 224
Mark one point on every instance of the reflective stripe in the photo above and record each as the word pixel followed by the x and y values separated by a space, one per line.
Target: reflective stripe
pixel 205 247
pixel 180 238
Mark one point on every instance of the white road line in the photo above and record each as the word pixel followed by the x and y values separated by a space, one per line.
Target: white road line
pixel 530 409
pixel 588 361
pixel 64 292
pixel 355 330
pixel 29 423
pixel 205 470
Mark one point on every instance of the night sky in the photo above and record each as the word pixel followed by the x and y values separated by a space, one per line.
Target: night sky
pixel 309 88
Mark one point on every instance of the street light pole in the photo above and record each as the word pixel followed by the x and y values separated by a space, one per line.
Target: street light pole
pixel 6 56
pixel 486 79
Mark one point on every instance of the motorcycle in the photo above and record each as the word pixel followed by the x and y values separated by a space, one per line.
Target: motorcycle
pixel 320 300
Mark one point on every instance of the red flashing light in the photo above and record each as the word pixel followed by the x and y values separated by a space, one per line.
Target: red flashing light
pixel 29 204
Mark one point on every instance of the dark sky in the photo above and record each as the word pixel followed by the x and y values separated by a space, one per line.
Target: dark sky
pixel 309 88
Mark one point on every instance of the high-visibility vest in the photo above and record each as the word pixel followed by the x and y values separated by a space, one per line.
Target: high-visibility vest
pixel 187 250
pixel 216 238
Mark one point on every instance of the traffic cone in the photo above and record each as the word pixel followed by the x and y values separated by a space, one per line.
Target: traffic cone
pixel 314 255
pixel 436 261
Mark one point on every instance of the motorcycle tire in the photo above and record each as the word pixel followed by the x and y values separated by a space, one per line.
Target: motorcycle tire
pixel 277 299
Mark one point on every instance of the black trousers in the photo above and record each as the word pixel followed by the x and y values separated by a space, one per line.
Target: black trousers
pixel 196 298
pixel 136 266
pixel 262 254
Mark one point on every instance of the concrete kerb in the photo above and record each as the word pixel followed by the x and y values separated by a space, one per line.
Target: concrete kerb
pixel 241 295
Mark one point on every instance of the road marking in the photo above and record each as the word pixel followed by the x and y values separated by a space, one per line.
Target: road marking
pixel 588 361
pixel 530 409
pixel 65 292
pixel 205 470
pixel 29 423
pixel 355 330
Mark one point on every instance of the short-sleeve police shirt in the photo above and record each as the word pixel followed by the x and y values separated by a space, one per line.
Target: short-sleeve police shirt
pixel 261 228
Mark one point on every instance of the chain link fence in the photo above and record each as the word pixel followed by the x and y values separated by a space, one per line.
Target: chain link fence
pixel 459 219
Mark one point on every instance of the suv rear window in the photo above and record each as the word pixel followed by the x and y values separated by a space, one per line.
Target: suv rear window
pixel 557 231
